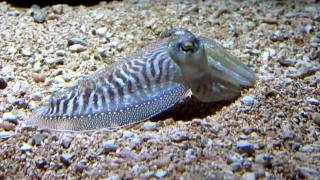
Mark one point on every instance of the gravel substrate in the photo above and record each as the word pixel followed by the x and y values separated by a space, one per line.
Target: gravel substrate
pixel 272 131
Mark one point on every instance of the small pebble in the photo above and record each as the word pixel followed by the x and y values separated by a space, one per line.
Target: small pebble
pixel 127 134
pixel 37 14
pixel 77 48
pixel 66 142
pixel 179 136
pixel 60 53
pixel 66 159
pixel 57 9
pixel 236 166
pixel 80 166
pixel 36 96
pixel 160 174
pixel 249 101
pixel 4 135
pixel 308 149
pixel 264 159
pixel 20 103
pixel 101 31
pixel 313 101
pixel 109 146
pixel 37 139
pixel 41 163
pixel 10 118
pixel 38 77
pixel 73 41
pixel 53 61
pixel 26 147
pixel 3 83
pixel 316 118
pixel 149 126
pixel 245 147
pixel 26 52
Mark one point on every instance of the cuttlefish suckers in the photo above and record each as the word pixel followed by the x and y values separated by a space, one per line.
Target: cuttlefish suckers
pixel 145 84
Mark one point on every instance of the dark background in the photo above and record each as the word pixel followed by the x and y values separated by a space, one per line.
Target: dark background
pixel 42 3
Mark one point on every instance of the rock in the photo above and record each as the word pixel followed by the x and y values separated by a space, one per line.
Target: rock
pixel 308 149
pixel 248 176
pixel 85 56
pixel 53 61
pixel 249 101
pixel 316 118
pixel 10 118
pixel 37 139
pixel 57 9
pixel 260 173
pixel 77 48
pixel 60 53
pixel 3 83
pixel 127 134
pixel 264 159
pixel 247 165
pixel 26 147
pixel 100 31
pixel 73 41
pixel 36 96
pixel 66 142
pixel 109 146
pixel 286 62
pixel 149 126
pixel 236 166
pixel 288 135
pixel 26 52
pixel 245 147
pixel 308 29
pixel 41 163
pixel 4 135
pixel 66 159
pixel 305 72
pixel 313 101
pixel 20 103
pixel 307 172
pixel 38 77
pixel 37 14
pixel 179 136
pixel 220 11
pixel 160 173
pixel 270 19
pixel 80 166
pixel 7 126
pixel 127 154
pixel 277 36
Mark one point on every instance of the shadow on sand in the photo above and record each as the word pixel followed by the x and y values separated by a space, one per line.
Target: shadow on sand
pixel 191 108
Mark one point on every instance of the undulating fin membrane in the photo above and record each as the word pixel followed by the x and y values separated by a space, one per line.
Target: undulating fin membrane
pixel 110 120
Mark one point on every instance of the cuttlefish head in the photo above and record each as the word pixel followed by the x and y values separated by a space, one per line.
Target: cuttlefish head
pixel 188 53
pixel 207 68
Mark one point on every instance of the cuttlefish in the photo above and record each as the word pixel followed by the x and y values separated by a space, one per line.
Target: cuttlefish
pixel 147 83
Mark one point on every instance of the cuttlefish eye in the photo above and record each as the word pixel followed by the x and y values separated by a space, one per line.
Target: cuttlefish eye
pixel 187 46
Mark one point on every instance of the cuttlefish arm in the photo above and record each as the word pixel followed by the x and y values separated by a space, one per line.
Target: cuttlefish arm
pixel 212 73
pixel 139 87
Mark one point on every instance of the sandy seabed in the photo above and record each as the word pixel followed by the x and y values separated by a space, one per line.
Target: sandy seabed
pixel 270 132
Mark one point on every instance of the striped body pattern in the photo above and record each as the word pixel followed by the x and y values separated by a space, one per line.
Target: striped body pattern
pixel 128 92
pixel 148 82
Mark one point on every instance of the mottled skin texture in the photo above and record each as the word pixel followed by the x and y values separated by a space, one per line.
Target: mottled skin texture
pixel 148 82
